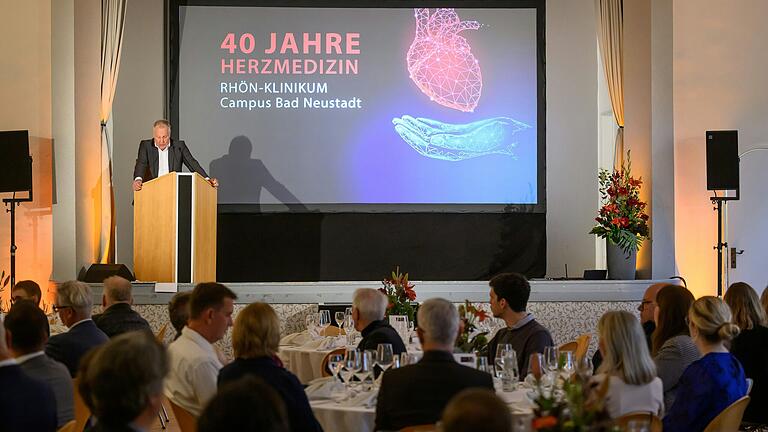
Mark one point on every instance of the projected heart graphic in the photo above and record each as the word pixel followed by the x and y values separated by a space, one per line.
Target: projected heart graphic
pixel 440 61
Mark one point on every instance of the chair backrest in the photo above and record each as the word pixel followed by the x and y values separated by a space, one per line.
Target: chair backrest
pixel 729 419
pixel 569 346
pixel 324 364
pixel 68 427
pixel 420 428
pixel 654 422
pixel 186 421
pixel 582 343
pixel 82 412
pixel 331 331
pixel 750 383
pixel 160 336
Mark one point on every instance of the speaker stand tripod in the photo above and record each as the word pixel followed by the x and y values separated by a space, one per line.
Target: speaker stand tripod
pixel 12 203
pixel 718 202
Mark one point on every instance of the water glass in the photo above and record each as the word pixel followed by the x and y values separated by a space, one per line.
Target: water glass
pixel 567 364
pixel 335 363
pixel 365 369
pixel 584 366
pixel 325 320
pixel 351 364
pixel 550 359
pixel 511 374
pixel 536 365
pixel 482 364
pixel 339 319
pixel 501 351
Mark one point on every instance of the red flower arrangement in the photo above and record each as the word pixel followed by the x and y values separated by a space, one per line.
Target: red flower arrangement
pixel 470 338
pixel 622 218
pixel 400 293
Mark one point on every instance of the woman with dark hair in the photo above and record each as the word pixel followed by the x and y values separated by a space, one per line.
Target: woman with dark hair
pixel 672 347
pixel 716 380
pixel 751 346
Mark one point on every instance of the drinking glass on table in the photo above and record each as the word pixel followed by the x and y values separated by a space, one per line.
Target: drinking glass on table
pixel 584 366
pixel 347 312
pixel 325 320
pixel 550 359
pixel 339 319
pixel 349 325
pixel 335 363
pixel 511 374
pixel 311 321
pixel 567 364
pixel 365 368
pixel 351 364
pixel 482 364
pixel 501 351
pixel 385 356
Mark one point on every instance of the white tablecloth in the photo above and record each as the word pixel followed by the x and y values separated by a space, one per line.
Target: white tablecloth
pixel 303 362
pixel 334 417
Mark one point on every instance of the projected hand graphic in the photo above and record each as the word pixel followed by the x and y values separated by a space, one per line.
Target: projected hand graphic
pixel 440 61
pixel 455 142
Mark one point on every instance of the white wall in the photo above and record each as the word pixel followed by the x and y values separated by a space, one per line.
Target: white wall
pixel 720 71
pixel 571 124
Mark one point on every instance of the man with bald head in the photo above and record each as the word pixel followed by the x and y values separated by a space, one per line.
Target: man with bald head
pixel 118 316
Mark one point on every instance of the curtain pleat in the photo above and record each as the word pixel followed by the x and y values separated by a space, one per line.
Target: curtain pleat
pixel 610 36
pixel 112 26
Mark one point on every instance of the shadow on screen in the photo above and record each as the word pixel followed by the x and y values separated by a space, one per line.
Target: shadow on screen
pixel 241 178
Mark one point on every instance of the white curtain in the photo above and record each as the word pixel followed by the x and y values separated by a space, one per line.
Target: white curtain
pixel 112 26
pixel 610 36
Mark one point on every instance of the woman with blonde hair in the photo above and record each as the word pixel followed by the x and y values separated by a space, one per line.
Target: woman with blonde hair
pixel 750 347
pixel 627 366
pixel 716 380
pixel 256 340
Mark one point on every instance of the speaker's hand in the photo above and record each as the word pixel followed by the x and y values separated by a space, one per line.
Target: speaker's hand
pixel 137 185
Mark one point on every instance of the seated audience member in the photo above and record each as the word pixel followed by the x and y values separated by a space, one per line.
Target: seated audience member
pixel 26 328
pixel 248 404
pixel 368 309
pixel 764 299
pixel 178 311
pixel 122 382
pixel 26 404
pixel 750 347
pixel 118 316
pixel 194 363
pixel 509 300
pixel 255 340
pixel 74 302
pixel 27 290
pixel 474 407
pixel 673 348
pixel 417 394
pixel 627 366
pixel 647 309
pixel 714 381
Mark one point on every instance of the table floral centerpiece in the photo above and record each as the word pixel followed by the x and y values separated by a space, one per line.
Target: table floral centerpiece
pixel 400 293
pixel 471 337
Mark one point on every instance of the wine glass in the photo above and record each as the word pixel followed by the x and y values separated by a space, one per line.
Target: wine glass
pixel 385 356
pixel 349 325
pixel 536 365
pixel 348 312
pixel 365 366
pixel 351 364
pixel 584 366
pixel 550 359
pixel 325 320
pixel 567 364
pixel 511 374
pixel 335 362
pixel 339 319
pixel 311 321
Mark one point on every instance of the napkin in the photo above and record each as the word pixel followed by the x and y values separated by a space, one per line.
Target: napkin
pixel 325 344
pixel 362 400
pixel 323 388
pixel 295 339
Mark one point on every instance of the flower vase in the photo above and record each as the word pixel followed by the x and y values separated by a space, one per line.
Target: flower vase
pixel 621 266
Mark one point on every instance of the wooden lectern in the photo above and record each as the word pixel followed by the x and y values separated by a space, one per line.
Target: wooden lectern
pixel 174 229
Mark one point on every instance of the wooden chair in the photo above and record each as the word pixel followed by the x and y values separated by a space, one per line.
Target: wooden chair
pixel 569 346
pixel 653 421
pixel 729 419
pixel 186 421
pixel 324 364
pixel 582 345
pixel 160 336
pixel 332 331
pixel 750 383
pixel 420 428
pixel 82 412
pixel 69 427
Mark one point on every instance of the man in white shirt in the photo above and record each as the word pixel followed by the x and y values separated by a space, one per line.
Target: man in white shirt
pixel 194 363
pixel 161 155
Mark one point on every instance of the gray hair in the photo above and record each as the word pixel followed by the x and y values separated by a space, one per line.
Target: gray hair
pixel 439 321
pixel 77 295
pixel 117 289
pixel 371 303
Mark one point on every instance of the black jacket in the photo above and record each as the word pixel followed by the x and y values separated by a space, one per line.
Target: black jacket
pixel 379 332
pixel 26 404
pixel 417 394
pixel 70 347
pixel 285 384
pixel 751 349
pixel 120 318
pixel 147 160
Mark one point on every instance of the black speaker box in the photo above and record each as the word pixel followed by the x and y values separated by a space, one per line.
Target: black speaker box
pixel 15 162
pixel 723 160
pixel 98 272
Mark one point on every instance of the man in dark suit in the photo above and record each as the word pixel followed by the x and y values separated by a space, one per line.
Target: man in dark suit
pixel 368 309
pixel 161 155
pixel 26 404
pixel 417 394
pixel 74 301
pixel 26 329
pixel 118 316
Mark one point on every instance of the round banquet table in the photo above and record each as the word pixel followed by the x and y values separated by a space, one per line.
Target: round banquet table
pixel 334 417
pixel 303 362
